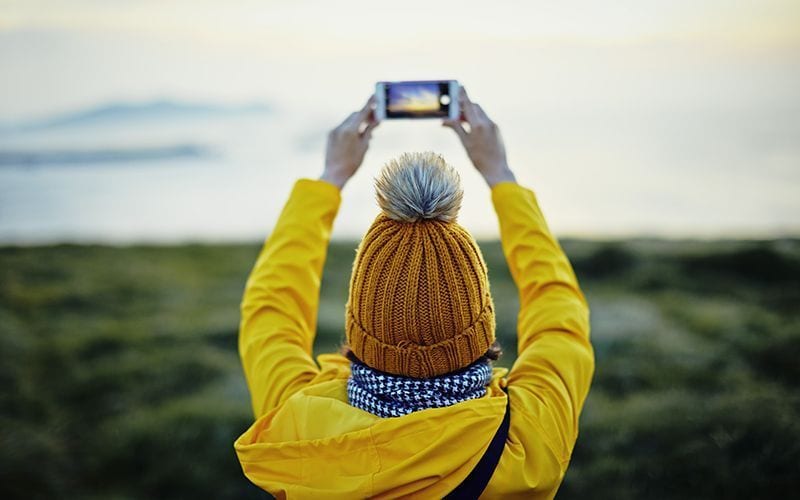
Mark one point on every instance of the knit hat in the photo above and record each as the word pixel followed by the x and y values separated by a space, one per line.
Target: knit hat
pixel 419 302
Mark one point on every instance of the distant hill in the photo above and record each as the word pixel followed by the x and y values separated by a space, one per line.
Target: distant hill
pixel 121 112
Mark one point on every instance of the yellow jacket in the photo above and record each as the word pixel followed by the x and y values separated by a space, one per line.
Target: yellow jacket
pixel 308 442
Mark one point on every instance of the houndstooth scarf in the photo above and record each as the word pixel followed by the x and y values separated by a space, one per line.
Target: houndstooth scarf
pixel 387 395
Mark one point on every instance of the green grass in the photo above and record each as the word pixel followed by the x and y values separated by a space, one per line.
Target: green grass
pixel 121 379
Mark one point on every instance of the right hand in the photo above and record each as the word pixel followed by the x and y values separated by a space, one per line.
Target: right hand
pixel 483 142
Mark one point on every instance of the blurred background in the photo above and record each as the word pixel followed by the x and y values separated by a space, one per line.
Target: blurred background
pixel 147 147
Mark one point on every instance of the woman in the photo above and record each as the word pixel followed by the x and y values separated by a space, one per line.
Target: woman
pixel 413 408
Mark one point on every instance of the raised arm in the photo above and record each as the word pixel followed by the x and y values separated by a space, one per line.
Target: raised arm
pixel 555 361
pixel 281 298
pixel 550 379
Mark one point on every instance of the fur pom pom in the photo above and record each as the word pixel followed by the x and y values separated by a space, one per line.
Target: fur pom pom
pixel 418 186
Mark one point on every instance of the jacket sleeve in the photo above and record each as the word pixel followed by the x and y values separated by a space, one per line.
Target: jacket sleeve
pixel 279 306
pixel 555 361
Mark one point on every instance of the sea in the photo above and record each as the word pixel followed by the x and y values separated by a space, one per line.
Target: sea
pixel 175 172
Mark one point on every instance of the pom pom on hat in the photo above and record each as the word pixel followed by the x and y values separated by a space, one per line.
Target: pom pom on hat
pixel 419 186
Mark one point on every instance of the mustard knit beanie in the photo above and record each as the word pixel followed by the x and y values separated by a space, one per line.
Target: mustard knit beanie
pixel 419 302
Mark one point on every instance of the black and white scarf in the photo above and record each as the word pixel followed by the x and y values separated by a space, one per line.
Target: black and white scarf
pixel 387 395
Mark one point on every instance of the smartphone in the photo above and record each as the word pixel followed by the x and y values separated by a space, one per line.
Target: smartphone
pixel 417 99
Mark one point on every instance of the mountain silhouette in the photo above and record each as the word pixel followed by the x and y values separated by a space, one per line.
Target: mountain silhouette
pixel 123 112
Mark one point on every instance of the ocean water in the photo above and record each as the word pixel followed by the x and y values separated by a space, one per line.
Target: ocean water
pixel 225 176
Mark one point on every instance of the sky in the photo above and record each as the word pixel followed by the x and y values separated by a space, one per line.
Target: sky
pixel 665 117
pixel 59 55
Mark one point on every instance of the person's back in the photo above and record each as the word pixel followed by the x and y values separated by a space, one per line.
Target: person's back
pixel 411 407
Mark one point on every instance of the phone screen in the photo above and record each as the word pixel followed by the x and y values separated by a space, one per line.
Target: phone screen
pixel 424 99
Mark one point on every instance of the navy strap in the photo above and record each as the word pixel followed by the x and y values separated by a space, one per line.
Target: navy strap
pixel 476 482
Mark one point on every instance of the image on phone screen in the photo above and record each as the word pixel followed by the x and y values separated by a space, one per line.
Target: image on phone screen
pixel 418 100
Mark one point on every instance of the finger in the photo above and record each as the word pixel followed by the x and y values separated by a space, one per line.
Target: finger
pixel 367 120
pixel 354 120
pixel 457 127
pixel 481 113
pixel 367 109
pixel 348 121
pixel 367 133
pixel 464 96
pixel 352 125
pixel 468 106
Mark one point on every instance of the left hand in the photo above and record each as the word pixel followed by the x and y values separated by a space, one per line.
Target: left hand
pixel 347 145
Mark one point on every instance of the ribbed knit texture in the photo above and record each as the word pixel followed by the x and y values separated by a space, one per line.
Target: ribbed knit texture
pixel 419 302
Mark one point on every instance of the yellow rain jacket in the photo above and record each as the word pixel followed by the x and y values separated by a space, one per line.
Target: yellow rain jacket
pixel 308 442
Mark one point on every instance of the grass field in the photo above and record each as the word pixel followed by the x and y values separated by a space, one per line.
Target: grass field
pixel 121 378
